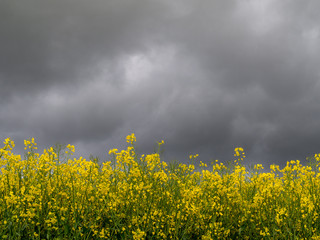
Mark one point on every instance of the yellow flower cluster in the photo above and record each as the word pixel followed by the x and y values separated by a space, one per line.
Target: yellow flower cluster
pixel 142 197
pixel 240 154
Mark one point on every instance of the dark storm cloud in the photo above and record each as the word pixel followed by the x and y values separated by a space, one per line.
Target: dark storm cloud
pixel 205 76
pixel 244 48
pixel 48 43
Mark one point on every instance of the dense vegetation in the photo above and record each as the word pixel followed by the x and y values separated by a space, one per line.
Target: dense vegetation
pixel 47 196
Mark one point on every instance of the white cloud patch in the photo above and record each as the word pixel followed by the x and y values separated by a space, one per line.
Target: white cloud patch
pixel 262 16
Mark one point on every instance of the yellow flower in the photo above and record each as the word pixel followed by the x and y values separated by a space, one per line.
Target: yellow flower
pixel 194 156
pixel 113 151
pixel 131 138
pixel 138 235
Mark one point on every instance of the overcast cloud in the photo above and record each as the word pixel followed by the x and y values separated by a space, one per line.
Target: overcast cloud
pixel 204 76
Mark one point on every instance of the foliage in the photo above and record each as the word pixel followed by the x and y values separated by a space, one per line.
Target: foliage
pixel 141 197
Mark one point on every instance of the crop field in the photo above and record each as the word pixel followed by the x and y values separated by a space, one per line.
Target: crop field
pixel 54 196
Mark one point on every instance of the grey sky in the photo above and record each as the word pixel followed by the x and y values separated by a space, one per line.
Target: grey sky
pixel 205 76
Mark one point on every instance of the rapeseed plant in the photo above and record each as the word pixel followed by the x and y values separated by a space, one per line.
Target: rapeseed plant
pixel 43 196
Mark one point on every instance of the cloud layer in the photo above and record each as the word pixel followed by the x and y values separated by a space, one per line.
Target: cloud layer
pixel 204 76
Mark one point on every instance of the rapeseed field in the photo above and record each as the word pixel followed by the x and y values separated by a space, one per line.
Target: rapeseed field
pixel 47 196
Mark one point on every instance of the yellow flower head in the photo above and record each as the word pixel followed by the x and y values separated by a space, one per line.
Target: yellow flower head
pixel 131 138
pixel 113 151
pixel 194 156
pixel 70 150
